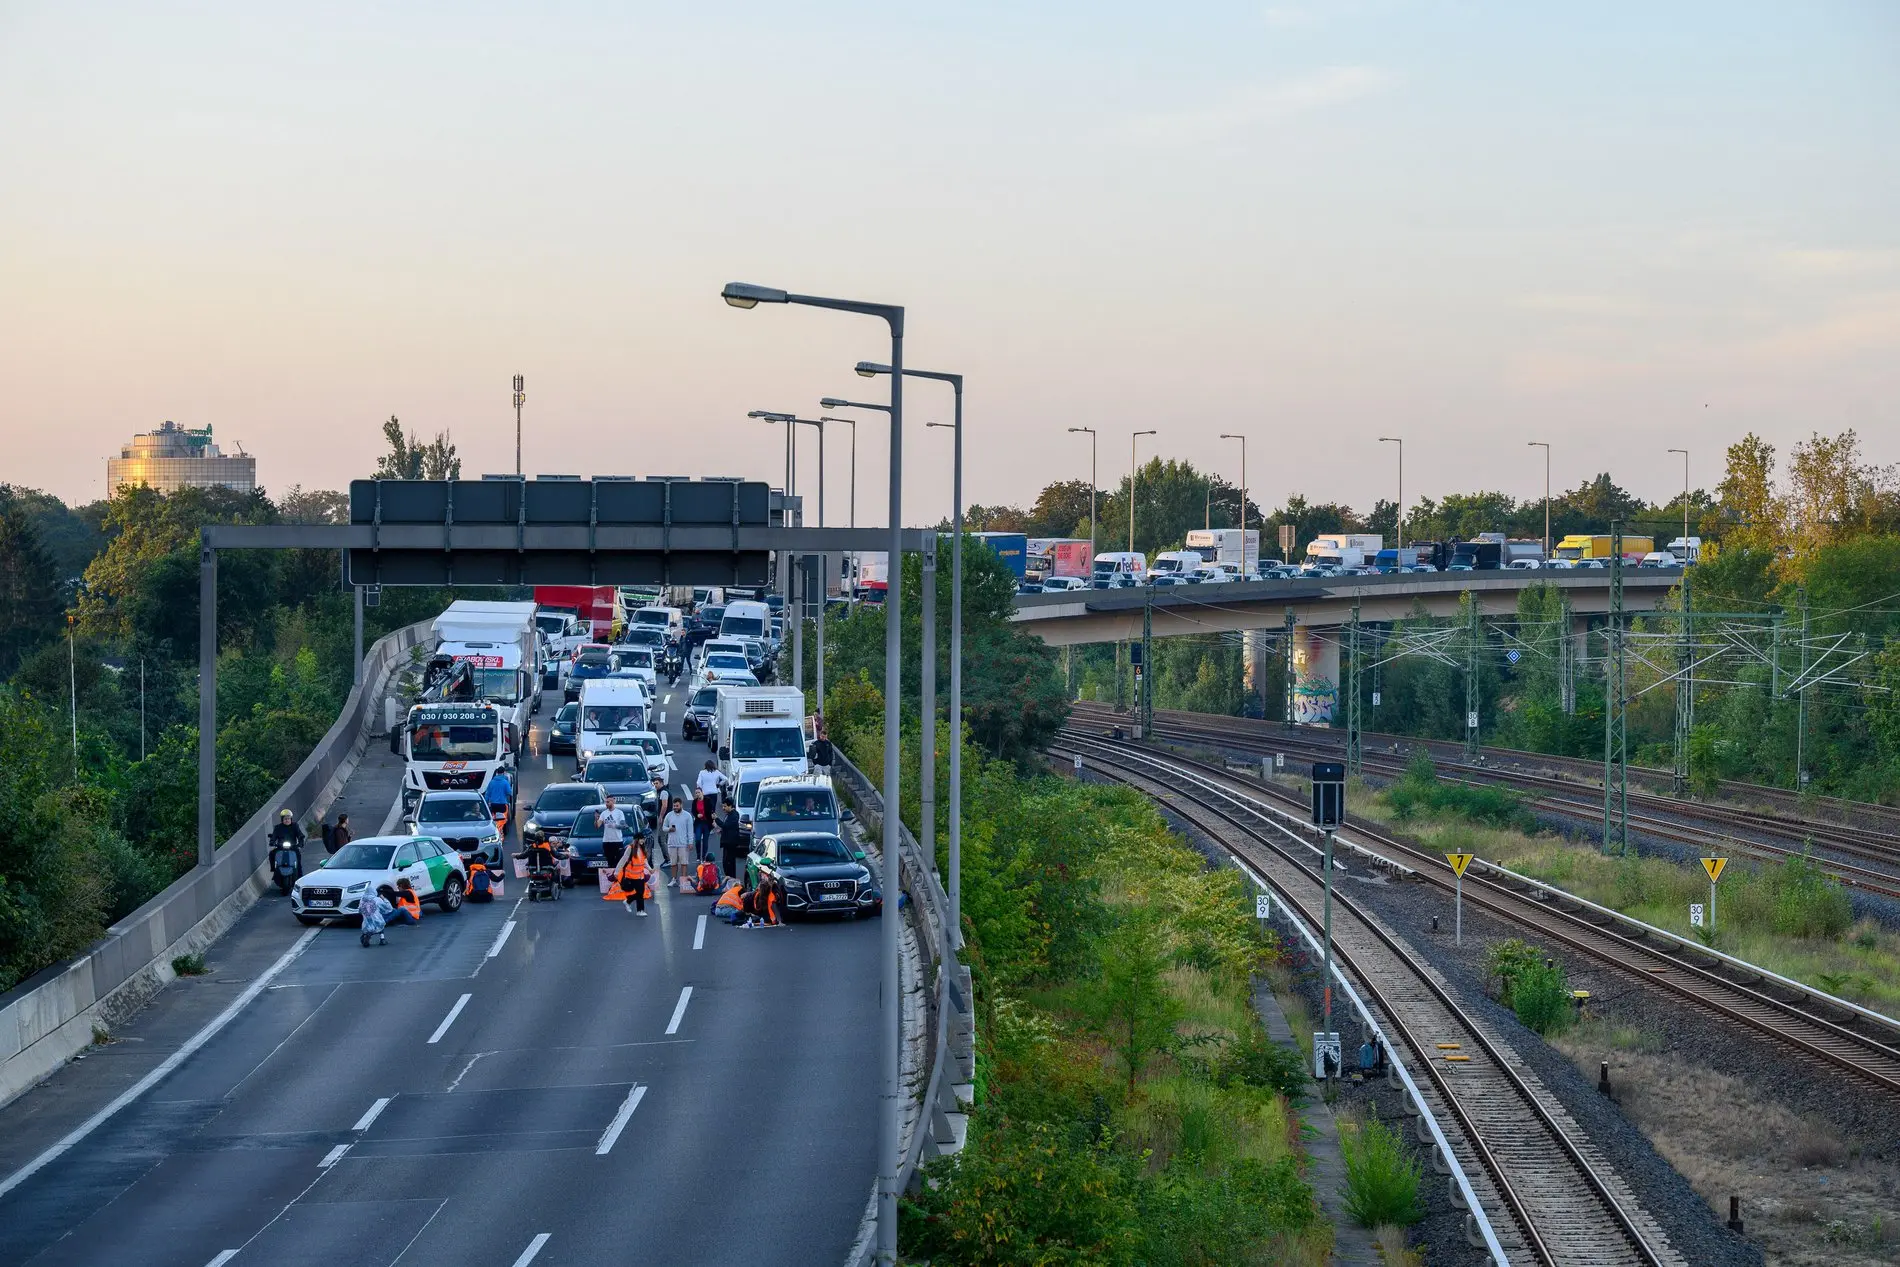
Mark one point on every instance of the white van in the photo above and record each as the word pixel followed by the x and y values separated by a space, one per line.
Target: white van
pixel 668 619
pixel 1119 567
pixel 746 620
pixel 609 706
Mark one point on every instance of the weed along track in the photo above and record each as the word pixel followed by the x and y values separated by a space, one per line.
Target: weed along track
pixel 1557 1198
pixel 1810 1024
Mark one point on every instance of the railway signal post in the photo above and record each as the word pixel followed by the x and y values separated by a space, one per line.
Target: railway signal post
pixel 1329 811
pixel 1714 867
pixel 1458 861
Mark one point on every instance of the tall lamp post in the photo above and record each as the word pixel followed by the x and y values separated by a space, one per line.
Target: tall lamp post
pixel 955 886
pixel 1401 511
pixel 891 1093
pixel 1132 470
pixel 853 424
pixel 1090 432
pixel 1545 446
pixel 1685 500
pixel 521 398
pixel 786 490
pixel 1230 435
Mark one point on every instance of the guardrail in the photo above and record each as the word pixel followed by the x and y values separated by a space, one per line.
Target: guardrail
pixel 49 1018
pixel 952 1021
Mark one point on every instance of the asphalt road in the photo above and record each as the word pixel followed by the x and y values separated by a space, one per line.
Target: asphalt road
pixel 511 1084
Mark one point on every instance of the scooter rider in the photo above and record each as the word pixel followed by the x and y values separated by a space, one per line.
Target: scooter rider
pixel 286 850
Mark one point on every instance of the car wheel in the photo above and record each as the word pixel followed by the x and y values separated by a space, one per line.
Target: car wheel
pixel 310 920
pixel 451 899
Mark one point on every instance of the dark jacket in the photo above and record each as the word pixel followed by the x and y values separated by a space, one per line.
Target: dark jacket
pixel 340 835
pixel 820 752
pixel 731 831
pixel 286 834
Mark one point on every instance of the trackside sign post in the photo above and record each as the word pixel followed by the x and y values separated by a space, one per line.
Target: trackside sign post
pixel 1714 867
pixel 1458 861
pixel 1329 811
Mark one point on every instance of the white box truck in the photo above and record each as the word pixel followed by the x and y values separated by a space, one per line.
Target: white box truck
pixel 1232 546
pixel 761 730
pixel 502 645
pixel 1344 550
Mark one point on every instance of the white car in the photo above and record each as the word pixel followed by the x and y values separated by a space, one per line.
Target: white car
pixel 637 662
pixel 1524 565
pixel 1055 584
pixel 649 745
pixel 1562 565
pixel 461 820
pixel 373 864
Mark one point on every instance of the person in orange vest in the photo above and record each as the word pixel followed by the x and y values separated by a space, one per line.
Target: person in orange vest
pixel 408 905
pixel 763 903
pixel 630 882
pixel 731 904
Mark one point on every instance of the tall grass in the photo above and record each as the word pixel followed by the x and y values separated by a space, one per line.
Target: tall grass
pixel 1381 1180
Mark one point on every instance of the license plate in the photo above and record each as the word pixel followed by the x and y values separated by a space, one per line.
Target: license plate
pixel 320 902
pixel 832 897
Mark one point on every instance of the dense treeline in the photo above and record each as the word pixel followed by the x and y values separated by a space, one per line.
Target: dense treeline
pixel 99 691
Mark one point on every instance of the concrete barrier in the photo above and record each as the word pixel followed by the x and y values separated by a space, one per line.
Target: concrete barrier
pixel 49 1018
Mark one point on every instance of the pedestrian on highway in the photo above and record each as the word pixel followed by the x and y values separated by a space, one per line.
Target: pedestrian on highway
pixel 375 910
pixel 659 815
pixel 709 781
pixel 731 839
pixel 501 796
pixel 341 835
pixel 676 829
pixel 703 806
pixel 613 831
pixel 630 883
pixel 408 907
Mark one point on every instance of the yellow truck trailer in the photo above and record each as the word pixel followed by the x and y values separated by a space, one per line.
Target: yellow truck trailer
pixel 1586 546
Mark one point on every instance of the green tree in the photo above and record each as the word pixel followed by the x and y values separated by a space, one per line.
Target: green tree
pixel 29 585
pixel 1133 1008
pixel 1061 510
pixel 409 459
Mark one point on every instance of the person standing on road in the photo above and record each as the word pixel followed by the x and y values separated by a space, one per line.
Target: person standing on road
pixel 341 835
pixel 677 830
pixel 613 831
pixel 703 806
pixel 709 781
pixel 630 882
pixel 731 840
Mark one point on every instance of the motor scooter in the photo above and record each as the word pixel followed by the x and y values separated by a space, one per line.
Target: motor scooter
pixel 286 865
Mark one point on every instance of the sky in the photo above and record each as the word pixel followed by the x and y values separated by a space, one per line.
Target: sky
pixel 1617 228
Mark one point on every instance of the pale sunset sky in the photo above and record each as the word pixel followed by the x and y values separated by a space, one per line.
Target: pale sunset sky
pixel 1617 227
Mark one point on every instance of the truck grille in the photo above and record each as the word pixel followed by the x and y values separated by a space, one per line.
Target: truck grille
pixel 452 781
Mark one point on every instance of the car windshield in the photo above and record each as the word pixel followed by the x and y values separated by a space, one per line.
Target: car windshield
pixel 560 799
pixel 612 717
pixel 587 822
pixel 431 742
pixel 651 618
pixel 588 669
pixel 796 804
pixel 711 616
pixel 706 697
pixel 643 658
pixel 555 625
pixel 456 810
pixel 813 849
pixel 566 716
pixel 645 636
pixel 362 858
pixel 727 660
pixel 748 793
pixel 616 770
pixel 500 685
pixel 741 627
pixel 753 742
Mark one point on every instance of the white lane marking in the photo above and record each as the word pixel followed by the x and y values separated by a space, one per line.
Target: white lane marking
pixel 679 1009
pixel 699 933
pixel 223 1258
pixel 332 1157
pixel 635 1094
pixel 449 1020
pixel 165 1067
pixel 375 1111
pixel 662 717
pixel 419 1231
pixel 501 939
pixel 550 758
pixel 534 1247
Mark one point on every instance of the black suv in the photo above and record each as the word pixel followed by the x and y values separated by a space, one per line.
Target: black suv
pixel 821 875
pixel 699 713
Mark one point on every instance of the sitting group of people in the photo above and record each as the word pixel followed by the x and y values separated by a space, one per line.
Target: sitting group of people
pixel 382 908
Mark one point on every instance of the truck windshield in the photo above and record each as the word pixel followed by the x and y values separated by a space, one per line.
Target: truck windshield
pixel 752 742
pixel 741 627
pixel 501 685
pixel 652 618
pixel 612 717
pixel 431 742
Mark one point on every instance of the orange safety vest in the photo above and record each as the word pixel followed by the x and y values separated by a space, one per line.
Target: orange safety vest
pixel 407 899
pixel 632 876
pixel 770 902
pixel 730 899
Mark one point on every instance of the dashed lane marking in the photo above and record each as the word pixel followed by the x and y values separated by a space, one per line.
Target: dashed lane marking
pixel 501 939
pixel 679 1009
pixel 699 933
pixel 332 1157
pixel 449 1020
pixel 534 1247
pixel 635 1094
pixel 223 1258
pixel 364 1122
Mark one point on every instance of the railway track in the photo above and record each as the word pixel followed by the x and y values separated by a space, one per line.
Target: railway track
pixel 1875 869
pixel 1559 1200
pixel 1810 1024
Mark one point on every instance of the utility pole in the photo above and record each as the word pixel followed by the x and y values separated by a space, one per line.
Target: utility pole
pixel 927 737
pixel 1094 543
pixel 521 398
pixel 1144 675
pixel 1566 657
pixel 1615 727
pixel 1355 727
pixel 1801 702
pixel 1685 692
pixel 1286 671
pixel 1474 639
pixel 72 671
pixel 1133 472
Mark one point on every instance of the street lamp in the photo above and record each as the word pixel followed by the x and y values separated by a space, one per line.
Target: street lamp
pixel 766 415
pixel 1400 545
pixel 1685 500
pixel 1545 446
pixel 746 295
pixel 1131 487
pixel 1230 435
pixel 1090 431
pixel 955 885
pixel 853 424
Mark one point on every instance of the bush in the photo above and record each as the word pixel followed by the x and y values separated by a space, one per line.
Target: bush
pixel 1809 902
pixel 1421 792
pixel 189 965
pixel 1254 1060
pixel 1381 1181
pixel 1541 998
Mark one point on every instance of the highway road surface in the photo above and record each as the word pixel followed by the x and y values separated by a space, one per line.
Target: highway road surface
pixel 513 1084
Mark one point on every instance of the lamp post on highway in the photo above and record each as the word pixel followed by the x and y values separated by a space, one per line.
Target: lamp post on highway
pixel 785 511
pixel 1401 511
pixel 1132 470
pixel 1685 500
pixel 853 424
pixel 954 889
pixel 891 1092
pixel 1090 431
pixel 1229 435
pixel 521 398
pixel 1545 446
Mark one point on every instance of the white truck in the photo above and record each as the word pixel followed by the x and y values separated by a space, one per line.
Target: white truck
pixel 502 645
pixel 761 730
pixel 1686 550
pixel 1176 563
pixel 1344 550
pixel 453 747
pixel 1233 546
pixel 609 706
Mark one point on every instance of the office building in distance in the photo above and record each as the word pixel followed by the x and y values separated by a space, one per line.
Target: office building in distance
pixel 175 457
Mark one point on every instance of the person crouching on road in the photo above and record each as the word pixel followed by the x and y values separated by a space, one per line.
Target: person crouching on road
pixel 375 909
pixel 408 907
pixel 677 829
pixel 630 882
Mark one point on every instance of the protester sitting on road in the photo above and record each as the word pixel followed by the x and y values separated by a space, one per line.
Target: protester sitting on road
pixel 408 907
pixel 375 909
pixel 762 904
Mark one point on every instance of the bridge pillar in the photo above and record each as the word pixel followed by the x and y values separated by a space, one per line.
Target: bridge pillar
pixel 1315 677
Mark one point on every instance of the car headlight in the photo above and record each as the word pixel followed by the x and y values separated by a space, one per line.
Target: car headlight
pixel 791 883
pixel 358 887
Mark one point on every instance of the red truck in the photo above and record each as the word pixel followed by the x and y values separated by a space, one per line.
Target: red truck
pixel 1071 558
pixel 597 605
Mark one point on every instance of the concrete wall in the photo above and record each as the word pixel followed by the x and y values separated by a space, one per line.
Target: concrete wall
pixel 48 1018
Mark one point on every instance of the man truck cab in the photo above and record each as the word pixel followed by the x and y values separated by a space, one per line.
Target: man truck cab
pixel 453 747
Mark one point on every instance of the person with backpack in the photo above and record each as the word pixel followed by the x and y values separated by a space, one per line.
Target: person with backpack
pixel 703 807
pixel 340 835
pixel 707 878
